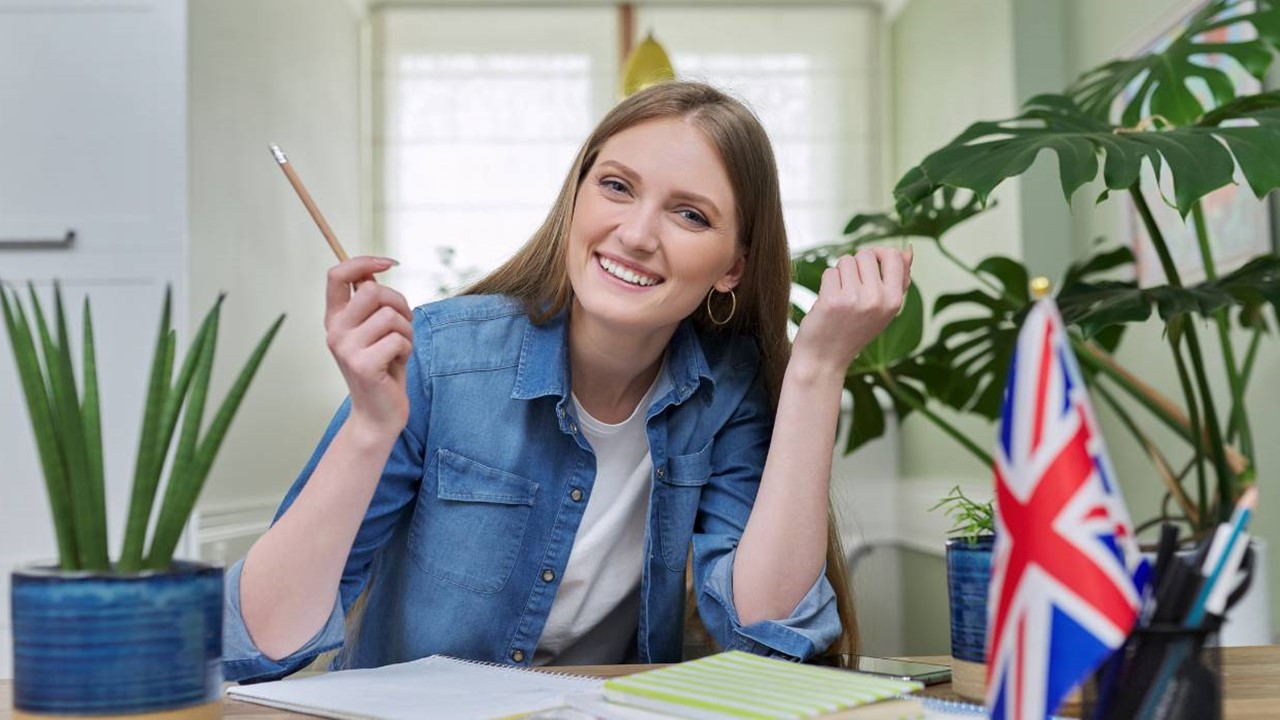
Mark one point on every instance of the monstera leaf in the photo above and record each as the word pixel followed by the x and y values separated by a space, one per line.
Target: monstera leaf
pixel 929 219
pixel 1201 158
pixel 974 350
pixel 1097 306
pixel 1166 77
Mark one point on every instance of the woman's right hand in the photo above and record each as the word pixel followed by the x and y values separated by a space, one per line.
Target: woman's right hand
pixel 370 333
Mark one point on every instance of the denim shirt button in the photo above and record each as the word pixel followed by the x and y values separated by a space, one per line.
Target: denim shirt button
pixel 548 575
pixel 660 473
pixel 517 656
pixel 575 495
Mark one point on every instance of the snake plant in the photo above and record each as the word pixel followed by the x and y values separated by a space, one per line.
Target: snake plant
pixel 68 430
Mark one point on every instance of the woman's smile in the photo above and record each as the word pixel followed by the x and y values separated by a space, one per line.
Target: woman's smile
pixel 630 276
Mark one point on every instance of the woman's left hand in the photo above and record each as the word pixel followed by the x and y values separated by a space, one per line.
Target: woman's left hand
pixel 857 299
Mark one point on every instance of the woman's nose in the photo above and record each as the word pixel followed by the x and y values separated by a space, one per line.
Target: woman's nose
pixel 638 230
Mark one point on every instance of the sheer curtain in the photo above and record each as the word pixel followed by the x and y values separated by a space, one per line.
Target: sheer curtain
pixel 480 111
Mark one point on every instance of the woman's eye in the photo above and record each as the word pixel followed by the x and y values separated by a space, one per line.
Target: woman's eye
pixel 613 185
pixel 694 217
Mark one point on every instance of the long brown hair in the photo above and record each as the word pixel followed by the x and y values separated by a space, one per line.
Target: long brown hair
pixel 537 273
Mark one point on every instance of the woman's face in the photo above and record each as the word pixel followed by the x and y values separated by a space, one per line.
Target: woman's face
pixel 654 228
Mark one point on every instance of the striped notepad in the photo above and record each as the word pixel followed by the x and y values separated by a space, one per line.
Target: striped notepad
pixel 742 685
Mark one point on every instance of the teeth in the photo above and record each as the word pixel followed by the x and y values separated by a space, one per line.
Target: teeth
pixel 618 271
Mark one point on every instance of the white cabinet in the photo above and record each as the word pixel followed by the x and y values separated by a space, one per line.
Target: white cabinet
pixel 92 139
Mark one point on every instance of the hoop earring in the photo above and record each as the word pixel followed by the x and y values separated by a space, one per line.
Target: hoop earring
pixel 732 307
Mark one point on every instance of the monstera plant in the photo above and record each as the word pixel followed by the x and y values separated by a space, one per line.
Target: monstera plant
pixel 1187 121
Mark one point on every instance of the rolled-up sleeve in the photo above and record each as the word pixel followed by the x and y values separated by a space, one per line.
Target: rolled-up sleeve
pixel 241 659
pixel 811 627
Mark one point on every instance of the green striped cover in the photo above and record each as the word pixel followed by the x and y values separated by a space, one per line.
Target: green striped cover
pixel 741 685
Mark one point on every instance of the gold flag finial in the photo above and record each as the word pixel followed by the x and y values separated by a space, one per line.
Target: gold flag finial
pixel 647 65
pixel 1040 287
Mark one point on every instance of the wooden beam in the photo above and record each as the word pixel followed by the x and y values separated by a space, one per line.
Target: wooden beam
pixel 626 33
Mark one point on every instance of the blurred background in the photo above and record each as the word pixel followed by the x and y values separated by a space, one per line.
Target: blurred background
pixel 438 133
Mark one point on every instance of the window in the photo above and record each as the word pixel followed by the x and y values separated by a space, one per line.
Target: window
pixel 810 74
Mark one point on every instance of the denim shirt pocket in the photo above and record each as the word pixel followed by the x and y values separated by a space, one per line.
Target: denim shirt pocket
pixel 678 491
pixel 470 533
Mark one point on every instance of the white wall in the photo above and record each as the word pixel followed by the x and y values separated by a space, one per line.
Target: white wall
pixel 289 72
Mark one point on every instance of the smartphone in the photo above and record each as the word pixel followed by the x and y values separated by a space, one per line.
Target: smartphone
pixel 927 673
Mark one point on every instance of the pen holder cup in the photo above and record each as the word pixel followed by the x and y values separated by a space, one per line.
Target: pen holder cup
pixel 1164 672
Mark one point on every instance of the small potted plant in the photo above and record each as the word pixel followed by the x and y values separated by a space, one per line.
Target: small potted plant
pixel 142 634
pixel 968 580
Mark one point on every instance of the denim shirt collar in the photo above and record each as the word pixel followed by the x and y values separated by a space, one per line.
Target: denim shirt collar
pixel 544 362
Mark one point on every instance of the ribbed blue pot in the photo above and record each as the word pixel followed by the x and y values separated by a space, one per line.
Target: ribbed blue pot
pixel 101 644
pixel 968 578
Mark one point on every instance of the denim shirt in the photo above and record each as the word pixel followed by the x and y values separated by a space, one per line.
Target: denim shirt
pixel 470 528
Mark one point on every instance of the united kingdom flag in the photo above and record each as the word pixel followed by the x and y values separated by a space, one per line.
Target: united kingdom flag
pixel 1063 591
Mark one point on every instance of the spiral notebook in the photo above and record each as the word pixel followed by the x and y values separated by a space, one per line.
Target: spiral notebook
pixel 741 685
pixel 437 686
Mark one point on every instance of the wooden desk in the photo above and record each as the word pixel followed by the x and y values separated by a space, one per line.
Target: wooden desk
pixel 1251 677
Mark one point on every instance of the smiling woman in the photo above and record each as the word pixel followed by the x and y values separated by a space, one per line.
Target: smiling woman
pixel 520 472
pixel 644 248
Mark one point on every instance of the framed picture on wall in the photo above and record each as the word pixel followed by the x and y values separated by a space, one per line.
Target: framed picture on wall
pixel 1240 227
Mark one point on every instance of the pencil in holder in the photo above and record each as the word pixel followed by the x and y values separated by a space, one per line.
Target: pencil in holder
pixel 1164 672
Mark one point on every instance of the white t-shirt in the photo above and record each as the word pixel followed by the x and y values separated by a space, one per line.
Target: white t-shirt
pixel 594 617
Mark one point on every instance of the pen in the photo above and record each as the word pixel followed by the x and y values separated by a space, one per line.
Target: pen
pixel 1240 518
pixel 1178 652
pixel 1159 587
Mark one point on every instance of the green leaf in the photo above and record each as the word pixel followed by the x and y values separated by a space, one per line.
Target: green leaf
pixel 168 524
pixel 808 271
pixel 1200 158
pixel 40 409
pixel 991 302
pixel 867 419
pixel 979 330
pixel 930 220
pixel 1166 78
pixel 898 340
pixel 66 416
pixel 1095 306
pixel 151 448
pixel 91 415
pixel 1097 264
pixel 1012 275
pixel 183 491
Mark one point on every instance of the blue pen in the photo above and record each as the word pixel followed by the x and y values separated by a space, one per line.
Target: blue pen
pixel 1178 653
pixel 1240 518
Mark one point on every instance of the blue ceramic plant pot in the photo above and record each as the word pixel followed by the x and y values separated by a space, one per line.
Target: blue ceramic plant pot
pixel 117 645
pixel 968 579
